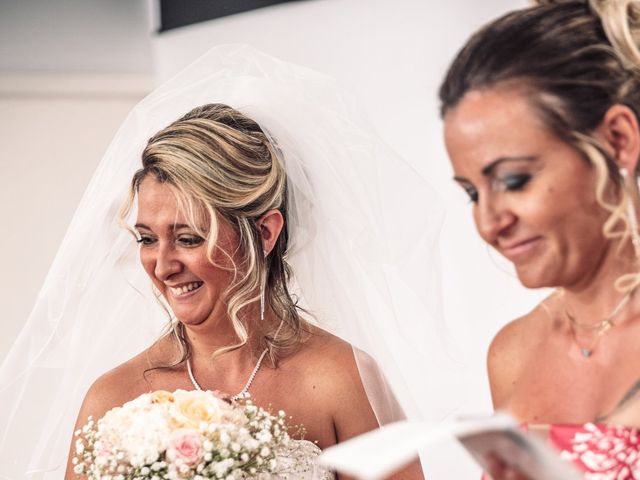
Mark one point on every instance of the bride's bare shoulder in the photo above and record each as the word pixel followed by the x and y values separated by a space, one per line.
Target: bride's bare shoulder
pixel 327 375
pixel 323 350
pixel 326 364
pixel 122 383
pixel 113 388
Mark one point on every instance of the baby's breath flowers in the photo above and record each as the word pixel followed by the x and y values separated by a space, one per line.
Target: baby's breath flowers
pixel 180 435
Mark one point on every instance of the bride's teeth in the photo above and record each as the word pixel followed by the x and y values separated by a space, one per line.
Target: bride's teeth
pixel 185 288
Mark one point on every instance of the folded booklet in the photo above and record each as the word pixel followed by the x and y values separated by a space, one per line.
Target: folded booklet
pixel 379 453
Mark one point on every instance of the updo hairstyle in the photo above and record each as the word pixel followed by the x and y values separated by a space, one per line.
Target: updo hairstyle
pixel 220 164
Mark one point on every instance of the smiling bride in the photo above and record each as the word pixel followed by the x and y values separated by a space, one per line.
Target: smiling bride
pixel 266 215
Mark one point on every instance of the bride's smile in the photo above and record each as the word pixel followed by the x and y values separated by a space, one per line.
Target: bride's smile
pixel 184 290
pixel 174 255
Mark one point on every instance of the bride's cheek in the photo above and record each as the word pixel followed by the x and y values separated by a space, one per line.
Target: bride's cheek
pixel 148 264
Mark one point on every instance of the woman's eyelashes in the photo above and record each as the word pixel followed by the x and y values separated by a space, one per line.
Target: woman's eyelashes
pixel 502 183
pixel 471 192
pixel 183 240
pixel 190 240
pixel 511 182
pixel 145 239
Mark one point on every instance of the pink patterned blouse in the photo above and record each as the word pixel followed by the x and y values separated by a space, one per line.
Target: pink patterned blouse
pixel 603 452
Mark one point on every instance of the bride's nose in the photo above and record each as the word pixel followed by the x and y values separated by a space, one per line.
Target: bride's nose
pixel 167 262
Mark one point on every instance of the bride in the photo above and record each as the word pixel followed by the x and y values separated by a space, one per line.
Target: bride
pixel 210 222
pixel 269 208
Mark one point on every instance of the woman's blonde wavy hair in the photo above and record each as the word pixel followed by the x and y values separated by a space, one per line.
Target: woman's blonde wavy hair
pixel 575 59
pixel 220 164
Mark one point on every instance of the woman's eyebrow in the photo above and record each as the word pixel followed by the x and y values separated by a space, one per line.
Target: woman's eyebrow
pixel 486 171
pixel 176 226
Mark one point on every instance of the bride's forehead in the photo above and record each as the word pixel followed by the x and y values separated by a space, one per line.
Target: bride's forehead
pixel 159 206
pixel 156 196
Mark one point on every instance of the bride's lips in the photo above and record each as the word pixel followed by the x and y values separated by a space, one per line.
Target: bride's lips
pixel 518 250
pixel 185 290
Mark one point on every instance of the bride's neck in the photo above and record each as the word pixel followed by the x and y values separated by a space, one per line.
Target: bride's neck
pixel 215 334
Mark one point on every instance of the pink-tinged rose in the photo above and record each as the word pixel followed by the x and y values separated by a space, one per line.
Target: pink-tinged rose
pixel 106 449
pixel 186 445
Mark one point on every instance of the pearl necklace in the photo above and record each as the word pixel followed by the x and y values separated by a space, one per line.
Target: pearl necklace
pixel 244 393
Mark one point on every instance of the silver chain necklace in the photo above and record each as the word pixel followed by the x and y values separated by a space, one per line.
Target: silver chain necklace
pixel 244 393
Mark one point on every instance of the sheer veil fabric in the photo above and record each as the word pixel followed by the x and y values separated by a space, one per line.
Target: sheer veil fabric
pixel 364 228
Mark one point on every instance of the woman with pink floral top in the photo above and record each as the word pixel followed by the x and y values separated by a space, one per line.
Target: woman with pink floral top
pixel 540 114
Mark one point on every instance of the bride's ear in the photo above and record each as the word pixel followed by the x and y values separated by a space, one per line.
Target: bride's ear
pixel 270 225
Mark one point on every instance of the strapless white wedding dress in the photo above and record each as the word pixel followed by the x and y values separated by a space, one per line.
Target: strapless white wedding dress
pixel 297 461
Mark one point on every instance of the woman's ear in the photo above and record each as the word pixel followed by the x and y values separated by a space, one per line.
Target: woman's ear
pixel 270 225
pixel 619 133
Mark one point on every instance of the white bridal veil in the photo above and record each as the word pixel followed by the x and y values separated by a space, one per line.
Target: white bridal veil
pixel 364 230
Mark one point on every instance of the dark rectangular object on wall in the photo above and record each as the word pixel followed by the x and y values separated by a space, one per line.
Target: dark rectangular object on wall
pixel 179 13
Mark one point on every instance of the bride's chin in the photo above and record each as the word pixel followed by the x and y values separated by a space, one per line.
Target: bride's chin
pixel 190 321
pixel 189 315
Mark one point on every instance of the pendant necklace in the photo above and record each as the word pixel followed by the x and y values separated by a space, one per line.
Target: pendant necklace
pixel 599 329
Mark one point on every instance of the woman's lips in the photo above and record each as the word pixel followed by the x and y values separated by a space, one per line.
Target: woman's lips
pixel 517 251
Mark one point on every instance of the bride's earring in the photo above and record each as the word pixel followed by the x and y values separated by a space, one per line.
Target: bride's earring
pixel 633 199
pixel 263 286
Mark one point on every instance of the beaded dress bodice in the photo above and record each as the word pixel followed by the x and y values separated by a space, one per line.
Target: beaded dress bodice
pixel 297 462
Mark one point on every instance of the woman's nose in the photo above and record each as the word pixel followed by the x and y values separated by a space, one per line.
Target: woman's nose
pixel 167 263
pixel 493 219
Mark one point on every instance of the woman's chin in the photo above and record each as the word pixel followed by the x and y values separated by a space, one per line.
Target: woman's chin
pixel 534 278
pixel 190 320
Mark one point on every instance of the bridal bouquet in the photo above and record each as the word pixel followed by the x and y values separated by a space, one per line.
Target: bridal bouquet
pixel 180 435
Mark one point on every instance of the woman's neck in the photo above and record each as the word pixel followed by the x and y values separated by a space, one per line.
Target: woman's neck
pixel 596 297
pixel 217 333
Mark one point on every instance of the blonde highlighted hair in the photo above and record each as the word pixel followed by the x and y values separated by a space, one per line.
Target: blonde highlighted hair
pixel 220 164
pixel 574 59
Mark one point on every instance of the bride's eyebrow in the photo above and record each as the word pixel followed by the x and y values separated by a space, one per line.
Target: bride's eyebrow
pixel 176 226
